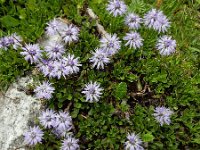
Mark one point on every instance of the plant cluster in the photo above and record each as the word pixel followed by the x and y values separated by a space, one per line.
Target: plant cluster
pixel 131 88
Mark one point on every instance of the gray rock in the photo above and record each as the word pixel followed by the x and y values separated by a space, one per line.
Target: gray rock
pixel 17 111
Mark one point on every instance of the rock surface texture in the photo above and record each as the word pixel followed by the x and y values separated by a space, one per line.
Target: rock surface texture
pixel 17 112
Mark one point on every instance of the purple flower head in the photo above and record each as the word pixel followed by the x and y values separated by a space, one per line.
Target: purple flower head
pixel 16 40
pixel 47 118
pixel 54 50
pixel 49 68
pixel 60 132
pixel 92 92
pixel 12 40
pixel 32 53
pixel 157 20
pixel 70 143
pixel 43 66
pixel 133 21
pixel 54 27
pixel 70 34
pixel 71 64
pixel 116 7
pixel 110 44
pixel 4 43
pixel 162 115
pixel 166 45
pixel 99 59
pixel 59 70
pixel 44 90
pixel 63 122
pixel 33 136
pixel 133 39
pixel 133 143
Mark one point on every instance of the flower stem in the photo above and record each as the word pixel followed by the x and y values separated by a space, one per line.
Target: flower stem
pixel 159 3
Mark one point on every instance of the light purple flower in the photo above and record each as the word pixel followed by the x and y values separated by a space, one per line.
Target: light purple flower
pixel 133 143
pixel 70 143
pixel 157 20
pixel 99 59
pixel 166 45
pixel 60 133
pixel 4 43
pixel 32 53
pixel 44 90
pixel 45 66
pixel 116 7
pixel 16 40
pixel 54 50
pixel 71 64
pixel 47 118
pixel 110 43
pixel 33 136
pixel 52 68
pixel 12 40
pixel 61 69
pixel 54 27
pixel 70 34
pixel 162 115
pixel 58 68
pixel 63 122
pixel 133 21
pixel 92 92
pixel 133 39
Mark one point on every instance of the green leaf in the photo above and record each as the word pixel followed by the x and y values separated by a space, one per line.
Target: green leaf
pixel 60 104
pixel 193 49
pixel 132 77
pixel 9 21
pixel 121 90
pixel 196 140
pixel 198 1
pixel 69 97
pixel 75 113
pixel 77 105
pixel 147 137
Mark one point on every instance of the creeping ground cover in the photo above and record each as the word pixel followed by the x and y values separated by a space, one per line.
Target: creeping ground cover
pixel 111 74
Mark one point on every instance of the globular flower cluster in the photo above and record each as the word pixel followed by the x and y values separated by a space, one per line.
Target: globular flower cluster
pixel 33 136
pixel 55 50
pixel 99 58
pixel 13 40
pixel 134 142
pixel 44 91
pixel 162 115
pixel 166 45
pixel 70 34
pixel 134 40
pixel 32 53
pixel 92 92
pixel 70 143
pixel 54 26
pixel 63 122
pixel 116 7
pixel 47 118
pixel 110 44
pixel 133 21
